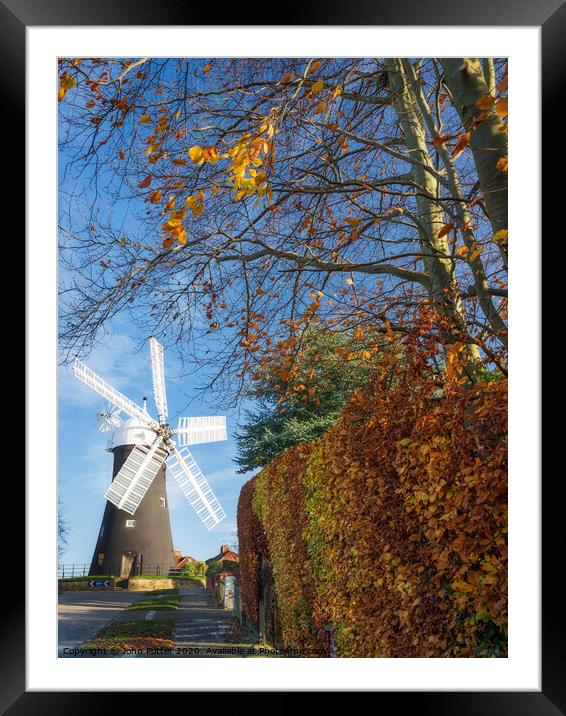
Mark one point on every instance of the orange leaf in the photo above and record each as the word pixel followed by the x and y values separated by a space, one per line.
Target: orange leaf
pixel 485 102
pixel 461 144
pixel 206 69
pixel 501 107
pixel 440 140
pixel 145 182
pixel 314 67
pixel 446 229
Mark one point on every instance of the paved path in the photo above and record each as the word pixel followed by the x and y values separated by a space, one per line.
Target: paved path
pixel 83 614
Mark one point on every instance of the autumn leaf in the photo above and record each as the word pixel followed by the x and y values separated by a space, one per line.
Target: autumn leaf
pixel 206 69
pixel 473 256
pixel 145 118
pixel 155 196
pixel 196 155
pixel 461 586
pixel 502 164
pixel 462 251
pixel 440 140
pixel 461 144
pixel 446 229
pixel 502 84
pixel 168 242
pixel 145 182
pixel 501 107
pixel 314 67
pixel 67 82
pixel 317 86
pixel 501 236
pixel 182 237
pixel 485 102
pixel 122 154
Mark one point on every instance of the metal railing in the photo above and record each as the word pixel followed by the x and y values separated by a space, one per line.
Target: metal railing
pixel 68 571
pixel 65 571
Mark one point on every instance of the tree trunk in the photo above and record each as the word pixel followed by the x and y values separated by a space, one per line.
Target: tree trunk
pixel 465 80
pixel 444 287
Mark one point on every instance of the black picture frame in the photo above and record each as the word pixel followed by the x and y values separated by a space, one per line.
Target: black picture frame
pixel 550 15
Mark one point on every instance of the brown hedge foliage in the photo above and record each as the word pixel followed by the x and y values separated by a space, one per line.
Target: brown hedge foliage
pixel 251 539
pixel 393 527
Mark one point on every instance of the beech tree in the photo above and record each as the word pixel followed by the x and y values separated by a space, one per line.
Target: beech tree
pixel 242 201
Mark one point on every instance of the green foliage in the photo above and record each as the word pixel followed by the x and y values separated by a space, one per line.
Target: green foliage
pixel 299 402
pixel 214 568
pixel 194 570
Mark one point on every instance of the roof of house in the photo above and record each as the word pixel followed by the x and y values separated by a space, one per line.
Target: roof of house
pixel 225 555
pixel 182 560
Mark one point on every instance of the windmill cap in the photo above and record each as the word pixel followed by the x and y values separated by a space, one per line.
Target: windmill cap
pixel 132 432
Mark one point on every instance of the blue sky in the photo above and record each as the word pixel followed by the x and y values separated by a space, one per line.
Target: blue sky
pixel 85 468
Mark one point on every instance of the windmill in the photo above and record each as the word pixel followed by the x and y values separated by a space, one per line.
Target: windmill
pixel 142 446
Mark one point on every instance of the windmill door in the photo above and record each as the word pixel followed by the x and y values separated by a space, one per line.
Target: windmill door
pixel 128 566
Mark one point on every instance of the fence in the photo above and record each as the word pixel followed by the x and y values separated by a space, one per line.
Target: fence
pixel 66 571
pixel 72 570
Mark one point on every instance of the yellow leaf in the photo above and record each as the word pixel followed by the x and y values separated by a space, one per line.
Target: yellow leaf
pixel 462 586
pixel 145 118
pixel 501 236
pixel 475 253
pixel 462 250
pixel 349 280
pixel 196 155
pixel 317 86
pixel 182 238
pixel 503 164
pixel 206 69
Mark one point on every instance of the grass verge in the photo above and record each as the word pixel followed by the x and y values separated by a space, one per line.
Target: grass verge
pixel 123 636
pixel 160 599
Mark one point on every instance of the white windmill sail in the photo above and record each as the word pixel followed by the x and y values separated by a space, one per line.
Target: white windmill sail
pixel 196 489
pixel 100 386
pixel 136 475
pixel 143 463
pixel 158 373
pixel 194 431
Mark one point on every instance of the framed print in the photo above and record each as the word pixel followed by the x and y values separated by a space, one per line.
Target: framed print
pixel 271 415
